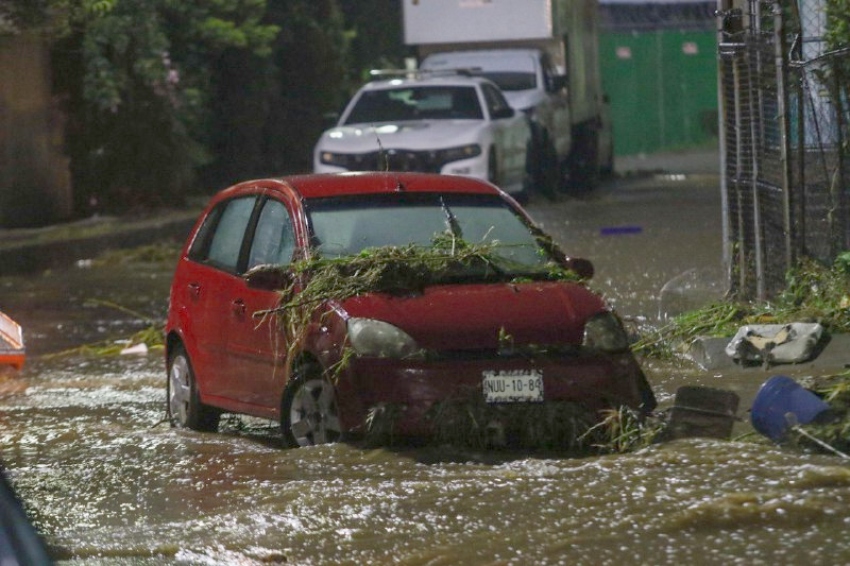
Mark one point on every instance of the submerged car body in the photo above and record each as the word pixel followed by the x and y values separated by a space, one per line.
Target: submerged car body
pixel 500 332
pixel 430 124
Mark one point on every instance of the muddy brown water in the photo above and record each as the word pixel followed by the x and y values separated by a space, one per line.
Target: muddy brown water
pixel 108 483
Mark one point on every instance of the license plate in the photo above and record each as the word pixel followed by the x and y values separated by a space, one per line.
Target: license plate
pixel 513 386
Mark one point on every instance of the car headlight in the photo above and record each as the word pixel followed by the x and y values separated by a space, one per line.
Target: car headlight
pixel 379 339
pixel 459 153
pixel 335 159
pixel 604 331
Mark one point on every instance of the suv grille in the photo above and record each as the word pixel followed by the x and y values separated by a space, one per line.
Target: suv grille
pixel 395 160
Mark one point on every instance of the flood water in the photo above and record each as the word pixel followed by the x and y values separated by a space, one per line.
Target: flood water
pixel 107 482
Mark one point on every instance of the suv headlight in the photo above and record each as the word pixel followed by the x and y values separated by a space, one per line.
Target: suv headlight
pixel 458 153
pixel 335 159
pixel 604 331
pixel 379 339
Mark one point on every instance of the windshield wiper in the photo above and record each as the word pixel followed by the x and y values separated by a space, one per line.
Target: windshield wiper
pixel 451 221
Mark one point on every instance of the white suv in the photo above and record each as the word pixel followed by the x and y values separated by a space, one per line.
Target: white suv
pixel 450 124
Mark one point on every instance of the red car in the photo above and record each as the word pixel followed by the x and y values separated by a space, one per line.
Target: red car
pixel 504 339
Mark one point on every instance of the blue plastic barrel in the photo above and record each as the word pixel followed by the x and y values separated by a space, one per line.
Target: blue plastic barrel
pixel 777 400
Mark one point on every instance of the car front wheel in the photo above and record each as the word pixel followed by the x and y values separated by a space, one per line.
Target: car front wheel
pixel 184 404
pixel 309 414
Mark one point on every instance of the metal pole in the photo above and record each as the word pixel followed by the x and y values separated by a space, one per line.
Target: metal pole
pixel 758 229
pixel 802 191
pixel 722 10
pixel 755 109
pixel 839 236
pixel 742 240
pixel 785 146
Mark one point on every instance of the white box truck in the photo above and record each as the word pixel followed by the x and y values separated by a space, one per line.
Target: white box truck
pixel 544 55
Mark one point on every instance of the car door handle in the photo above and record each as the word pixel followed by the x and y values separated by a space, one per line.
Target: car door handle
pixel 195 290
pixel 238 307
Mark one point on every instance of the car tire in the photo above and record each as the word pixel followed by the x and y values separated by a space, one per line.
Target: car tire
pixel 583 165
pixel 607 167
pixel 309 414
pixel 185 409
pixel 547 172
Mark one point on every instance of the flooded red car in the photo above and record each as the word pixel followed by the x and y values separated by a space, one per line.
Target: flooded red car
pixel 501 338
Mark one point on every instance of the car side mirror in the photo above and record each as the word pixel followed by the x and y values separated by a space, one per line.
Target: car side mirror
pixel 582 267
pixel 269 277
pixel 503 113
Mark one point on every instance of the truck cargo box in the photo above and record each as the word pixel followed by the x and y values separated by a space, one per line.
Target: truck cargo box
pixel 466 21
pixel 567 30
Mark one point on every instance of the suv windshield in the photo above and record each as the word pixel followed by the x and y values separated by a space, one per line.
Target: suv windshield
pixel 416 103
pixel 347 225
pixel 511 81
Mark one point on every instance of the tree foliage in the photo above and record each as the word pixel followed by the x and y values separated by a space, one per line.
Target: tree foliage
pixel 166 95
pixel 838 24
pixel 136 78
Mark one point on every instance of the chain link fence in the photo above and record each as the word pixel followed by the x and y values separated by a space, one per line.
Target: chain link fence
pixel 784 141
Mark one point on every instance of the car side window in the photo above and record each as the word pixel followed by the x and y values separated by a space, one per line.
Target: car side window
pixel 274 237
pixel 226 242
pixel 496 102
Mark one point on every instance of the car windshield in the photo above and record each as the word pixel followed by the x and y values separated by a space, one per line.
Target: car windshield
pixel 416 103
pixel 344 226
pixel 511 81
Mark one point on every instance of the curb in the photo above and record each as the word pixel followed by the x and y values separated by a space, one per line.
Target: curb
pixel 832 355
pixel 30 251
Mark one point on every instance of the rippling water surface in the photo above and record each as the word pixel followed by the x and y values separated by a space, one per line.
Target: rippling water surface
pixel 108 482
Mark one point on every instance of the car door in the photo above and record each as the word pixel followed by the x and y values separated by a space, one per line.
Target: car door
pixel 208 282
pixel 510 135
pixel 256 348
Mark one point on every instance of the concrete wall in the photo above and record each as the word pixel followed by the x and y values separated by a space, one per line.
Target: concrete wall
pixel 35 182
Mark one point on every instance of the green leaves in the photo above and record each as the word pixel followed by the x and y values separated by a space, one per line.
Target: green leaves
pixel 838 23
pixel 99 7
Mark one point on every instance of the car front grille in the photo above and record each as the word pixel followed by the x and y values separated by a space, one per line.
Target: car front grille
pixel 396 160
pixel 524 352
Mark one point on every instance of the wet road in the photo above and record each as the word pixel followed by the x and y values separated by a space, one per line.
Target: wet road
pixel 108 483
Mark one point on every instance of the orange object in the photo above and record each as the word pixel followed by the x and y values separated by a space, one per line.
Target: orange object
pixel 12 350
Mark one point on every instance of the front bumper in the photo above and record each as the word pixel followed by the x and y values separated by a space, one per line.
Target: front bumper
pixel 419 161
pixel 417 389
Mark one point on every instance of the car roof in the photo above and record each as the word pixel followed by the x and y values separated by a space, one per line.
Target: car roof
pixel 448 79
pixel 485 59
pixel 481 53
pixel 309 186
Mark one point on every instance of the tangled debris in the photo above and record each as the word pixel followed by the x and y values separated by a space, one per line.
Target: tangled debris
pixel 832 433
pixel 149 338
pixel 813 293
pixel 395 270
pixel 160 252
pixel 408 270
pixel 548 426
pixel 553 426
